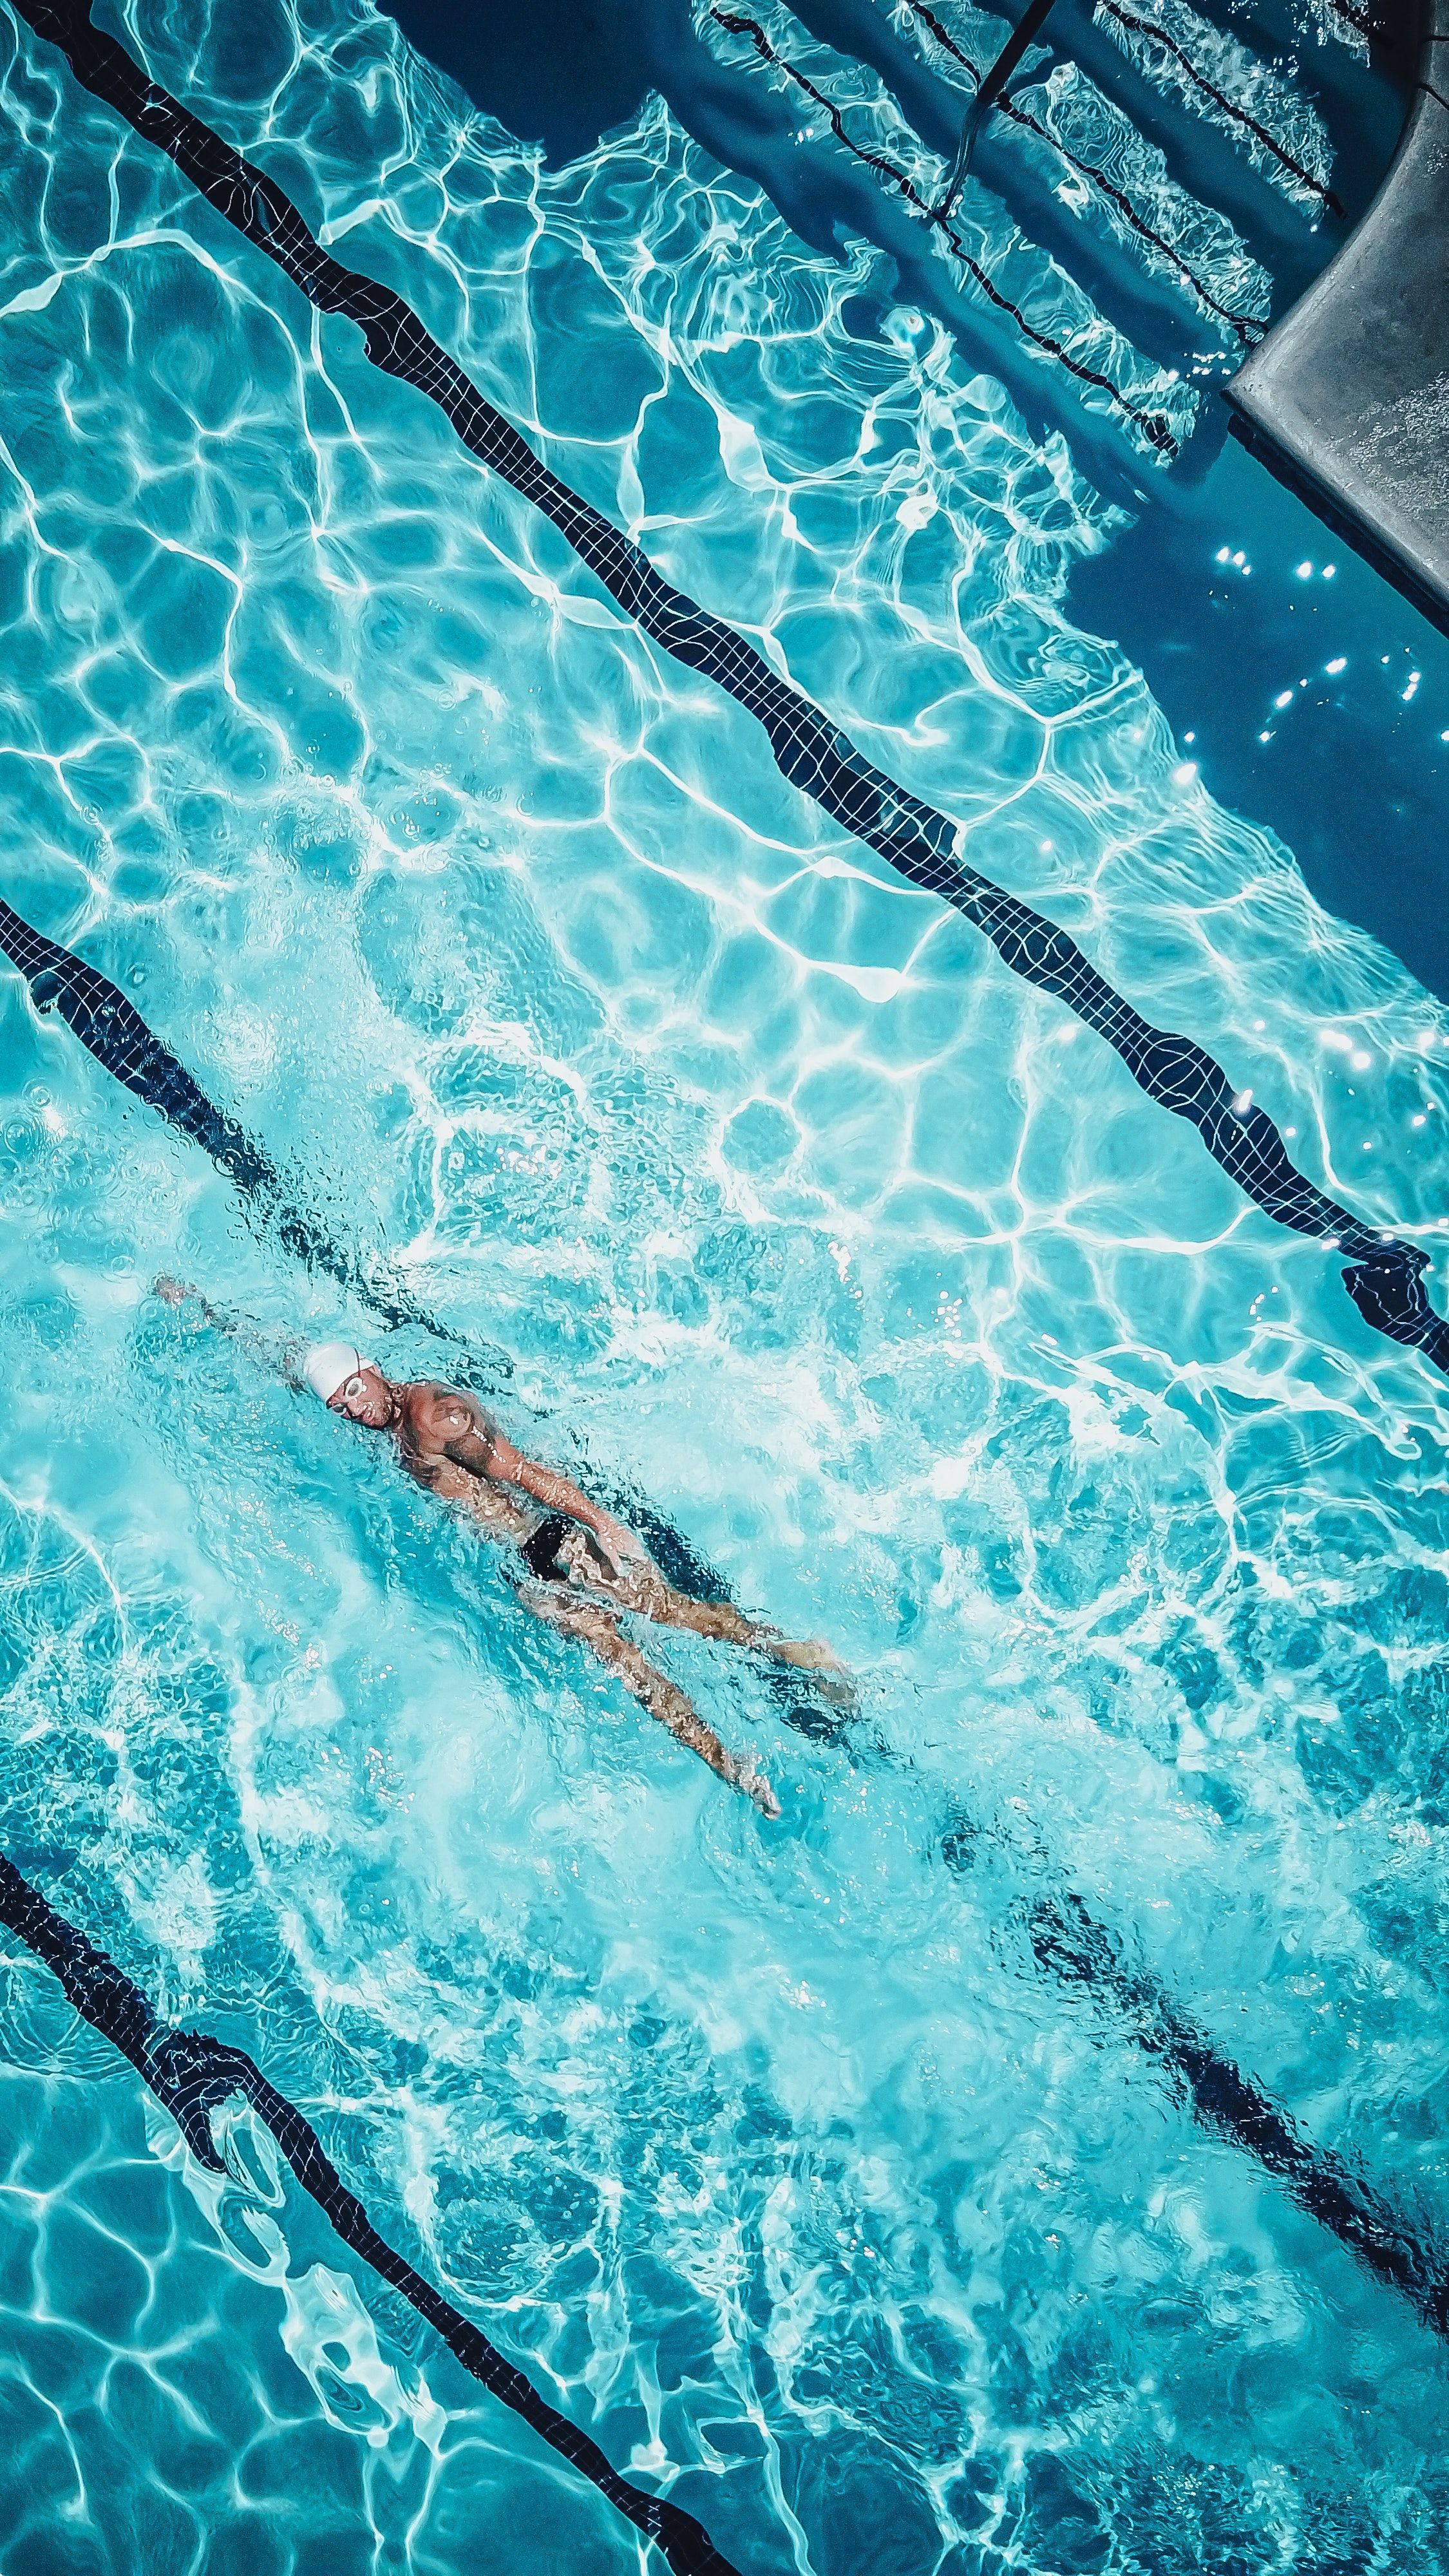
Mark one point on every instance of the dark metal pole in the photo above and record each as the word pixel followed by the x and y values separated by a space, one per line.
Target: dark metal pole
pixel 993 82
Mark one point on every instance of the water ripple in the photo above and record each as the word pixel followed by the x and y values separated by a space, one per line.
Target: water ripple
pixel 512 948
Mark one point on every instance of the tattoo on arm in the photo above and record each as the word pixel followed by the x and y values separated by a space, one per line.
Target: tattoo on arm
pixel 469 1437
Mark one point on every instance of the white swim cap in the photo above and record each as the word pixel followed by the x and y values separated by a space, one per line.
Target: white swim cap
pixel 329 1364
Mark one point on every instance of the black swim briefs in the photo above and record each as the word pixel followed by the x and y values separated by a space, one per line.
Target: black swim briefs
pixel 540 1552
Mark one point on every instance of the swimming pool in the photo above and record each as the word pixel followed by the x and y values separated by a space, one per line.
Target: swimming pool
pixel 780 2157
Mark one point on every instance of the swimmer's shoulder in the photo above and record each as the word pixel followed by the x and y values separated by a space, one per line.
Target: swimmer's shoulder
pixel 436 1416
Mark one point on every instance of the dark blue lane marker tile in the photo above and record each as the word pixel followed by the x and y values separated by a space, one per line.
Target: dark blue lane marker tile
pixel 117 1036
pixel 1066 1940
pixel 192 2074
pixel 1154 428
pixel 1385 1274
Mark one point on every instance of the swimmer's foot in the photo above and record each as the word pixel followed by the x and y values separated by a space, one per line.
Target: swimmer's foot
pixel 756 1786
pixel 833 1679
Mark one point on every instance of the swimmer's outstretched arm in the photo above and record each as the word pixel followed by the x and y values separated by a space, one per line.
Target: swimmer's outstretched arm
pixel 285 1357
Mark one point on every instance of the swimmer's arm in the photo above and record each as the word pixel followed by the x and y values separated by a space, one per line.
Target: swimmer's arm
pixel 470 1438
pixel 557 1493
pixel 285 1357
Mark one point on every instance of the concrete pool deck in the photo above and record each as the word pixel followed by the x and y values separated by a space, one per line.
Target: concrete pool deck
pixel 1348 398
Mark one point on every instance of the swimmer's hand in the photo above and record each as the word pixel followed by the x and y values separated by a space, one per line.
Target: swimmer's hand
pixel 286 1359
pixel 179 1292
pixel 621 1554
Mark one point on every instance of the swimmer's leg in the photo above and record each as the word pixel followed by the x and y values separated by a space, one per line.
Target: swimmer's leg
pixel 662 1697
pixel 722 1621
pixel 643 1589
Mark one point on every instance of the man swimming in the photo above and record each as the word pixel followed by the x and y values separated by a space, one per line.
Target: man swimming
pixel 585 1566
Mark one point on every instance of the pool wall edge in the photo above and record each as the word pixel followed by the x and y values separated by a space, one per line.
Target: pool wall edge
pixel 1347 399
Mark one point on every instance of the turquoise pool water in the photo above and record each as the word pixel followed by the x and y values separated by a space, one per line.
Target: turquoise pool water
pixel 769 2150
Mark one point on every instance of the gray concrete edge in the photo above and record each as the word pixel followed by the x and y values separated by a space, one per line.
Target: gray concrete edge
pixel 1277 397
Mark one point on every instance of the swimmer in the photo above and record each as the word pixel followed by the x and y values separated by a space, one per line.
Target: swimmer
pixel 584 1566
